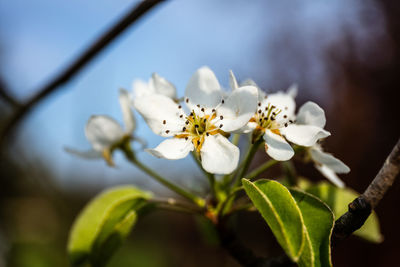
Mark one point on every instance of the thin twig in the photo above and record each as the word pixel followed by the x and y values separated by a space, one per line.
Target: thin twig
pixel 6 96
pixel 361 207
pixel 138 10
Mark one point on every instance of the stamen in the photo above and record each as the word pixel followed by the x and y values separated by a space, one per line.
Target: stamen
pixel 164 122
pixel 259 111
pixel 180 116
pixel 186 138
pixel 196 126
pixel 202 109
pixel 187 122
pixel 259 104
pixel 221 117
pixel 179 106
pixel 286 124
pixel 223 101
pixel 207 134
pixel 187 100
pixel 183 129
pixel 284 116
pixel 167 131
pixel 286 108
pixel 290 121
pixel 220 126
pixel 198 105
pixel 213 110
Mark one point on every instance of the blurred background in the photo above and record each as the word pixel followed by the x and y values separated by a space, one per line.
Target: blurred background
pixel 344 55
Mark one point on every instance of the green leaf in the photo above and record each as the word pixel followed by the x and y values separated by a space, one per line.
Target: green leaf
pixel 280 211
pixel 104 224
pixel 318 222
pixel 338 200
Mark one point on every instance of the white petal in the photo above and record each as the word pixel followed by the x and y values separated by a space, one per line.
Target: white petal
pixel 277 147
pixel 238 108
pixel 292 90
pixel 232 80
pixel 249 127
pixel 203 89
pixel 282 101
pixel 162 86
pixel 311 114
pixel 161 113
pixel 125 102
pixel 174 148
pixel 88 154
pixel 304 135
pixel 102 132
pixel 218 155
pixel 330 175
pixel 329 160
pixel 141 88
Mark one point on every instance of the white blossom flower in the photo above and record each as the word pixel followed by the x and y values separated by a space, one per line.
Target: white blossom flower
pixel 104 133
pixel 275 122
pixel 327 164
pixel 205 129
pixel 311 114
pixel 155 85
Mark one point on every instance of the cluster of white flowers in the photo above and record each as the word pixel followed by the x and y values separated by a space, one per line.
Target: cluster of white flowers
pixel 207 117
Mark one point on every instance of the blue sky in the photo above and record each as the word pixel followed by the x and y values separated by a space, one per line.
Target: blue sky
pixel 38 38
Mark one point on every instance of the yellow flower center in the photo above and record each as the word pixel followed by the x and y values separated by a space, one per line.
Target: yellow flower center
pixel 198 127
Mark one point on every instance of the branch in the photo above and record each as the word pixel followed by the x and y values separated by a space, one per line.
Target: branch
pixel 243 254
pixel 6 96
pixel 361 207
pixel 93 50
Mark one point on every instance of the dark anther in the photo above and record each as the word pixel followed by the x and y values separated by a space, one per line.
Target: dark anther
pixel 187 100
pixel 259 104
pixel 186 138
pixel 259 111
pixel 202 109
pixel 273 107
pixel 198 142
pixel 266 108
pixel 221 117
pixel 272 118
pixel 220 126
pixel 184 129
pixel 167 131
pixel 286 124
pixel 290 121
pixel 284 116
pixel 181 116
pixel 207 134
pixel 196 126
pixel 164 122
pixel 223 101
pixel 273 113
pixel 179 106
pixel 198 105
pixel 213 110
pixel 191 114
pixel 205 120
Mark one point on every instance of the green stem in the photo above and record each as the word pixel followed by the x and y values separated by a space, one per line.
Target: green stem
pixel 290 172
pixel 235 139
pixel 249 157
pixel 180 191
pixel 175 205
pixel 261 169
pixel 210 176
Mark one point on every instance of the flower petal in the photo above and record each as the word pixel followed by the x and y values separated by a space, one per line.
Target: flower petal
pixel 162 86
pixel 311 114
pixel 277 147
pixel 173 148
pixel 141 88
pixel 330 175
pixel 161 113
pixel 218 155
pixel 282 101
pixel 203 89
pixel 329 160
pixel 102 132
pixel 238 108
pixel 304 135
pixel 232 80
pixel 125 102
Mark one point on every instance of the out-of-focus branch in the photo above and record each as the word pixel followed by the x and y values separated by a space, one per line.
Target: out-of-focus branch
pixel 361 207
pixel 6 96
pixel 93 50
